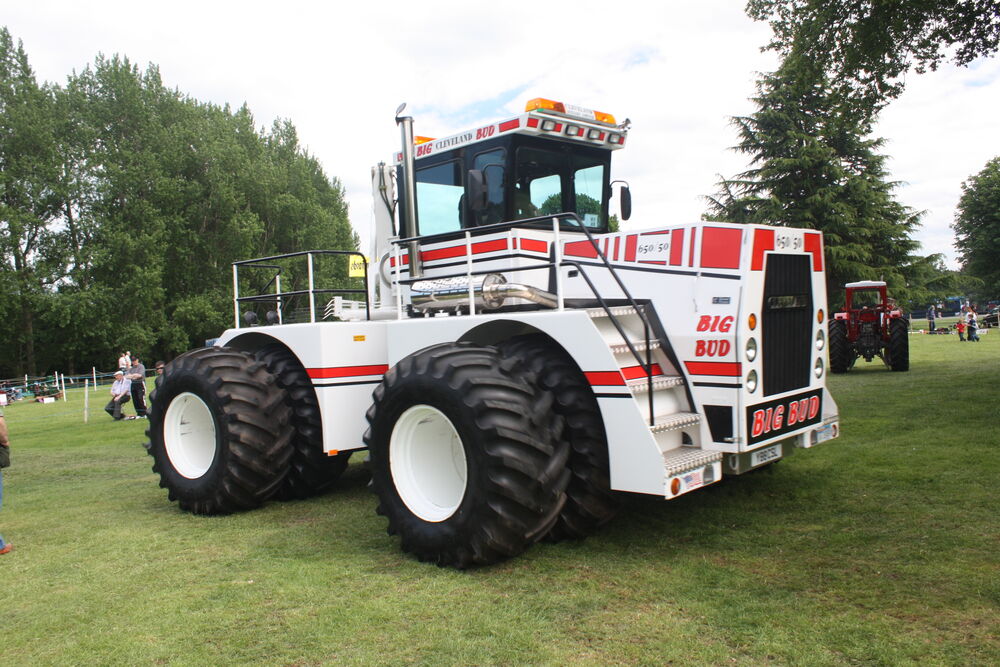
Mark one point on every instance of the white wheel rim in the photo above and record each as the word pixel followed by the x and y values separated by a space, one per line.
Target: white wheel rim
pixel 427 463
pixel 189 435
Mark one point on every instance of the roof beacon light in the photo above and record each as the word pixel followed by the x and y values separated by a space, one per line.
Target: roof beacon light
pixel 550 106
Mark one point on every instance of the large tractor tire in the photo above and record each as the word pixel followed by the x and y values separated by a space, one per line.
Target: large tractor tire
pixel 467 456
pixel 590 502
pixel 899 345
pixel 840 349
pixel 219 431
pixel 311 471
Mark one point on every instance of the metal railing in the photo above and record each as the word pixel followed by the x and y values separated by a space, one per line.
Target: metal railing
pixel 279 297
pixel 558 262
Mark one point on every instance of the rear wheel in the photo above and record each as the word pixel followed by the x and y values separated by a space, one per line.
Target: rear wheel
pixel 590 502
pixel 466 455
pixel 840 349
pixel 899 345
pixel 219 431
pixel 311 471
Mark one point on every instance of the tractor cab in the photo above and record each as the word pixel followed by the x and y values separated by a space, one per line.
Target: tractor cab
pixel 556 158
pixel 868 295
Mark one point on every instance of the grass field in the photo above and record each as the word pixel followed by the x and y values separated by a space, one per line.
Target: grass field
pixel 879 548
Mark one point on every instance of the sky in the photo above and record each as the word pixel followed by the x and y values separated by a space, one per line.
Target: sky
pixel 678 70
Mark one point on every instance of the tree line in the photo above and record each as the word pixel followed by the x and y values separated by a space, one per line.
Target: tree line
pixel 813 160
pixel 123 204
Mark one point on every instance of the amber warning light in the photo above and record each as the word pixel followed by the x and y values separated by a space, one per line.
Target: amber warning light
pixel 542 104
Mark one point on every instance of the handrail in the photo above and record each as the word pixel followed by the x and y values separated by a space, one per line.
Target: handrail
pixel 259 263
pixel 647 365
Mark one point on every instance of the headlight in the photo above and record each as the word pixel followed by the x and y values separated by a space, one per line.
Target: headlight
pixel 818 368
pixel 751 349
pixel 820 339
pixel 752 381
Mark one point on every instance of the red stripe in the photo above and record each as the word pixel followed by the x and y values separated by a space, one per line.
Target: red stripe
pixel 694 236
pixel 763 240
pixel 534 245
pixel 605 378
pixel 720 248
pixel 346 371
pixel 443 253
pixel 581 249
pixel 618 241
pixel 489 246
pixel 677 247
pixel 814 245
pixel 510 125
pixel 532 122
pixel 633 372
pixel 721 368
pixel 630 243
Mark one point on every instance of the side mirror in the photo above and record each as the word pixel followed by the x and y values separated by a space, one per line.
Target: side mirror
pixel 476 190
pixel 626 202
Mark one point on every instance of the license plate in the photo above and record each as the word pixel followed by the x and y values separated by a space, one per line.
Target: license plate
pixel 762 456
pixel 825 433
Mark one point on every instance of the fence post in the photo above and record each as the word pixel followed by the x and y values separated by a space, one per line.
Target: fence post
pixel 86 400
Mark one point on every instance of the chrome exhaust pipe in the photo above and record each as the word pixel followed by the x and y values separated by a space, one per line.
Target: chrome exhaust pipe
pixel 490 292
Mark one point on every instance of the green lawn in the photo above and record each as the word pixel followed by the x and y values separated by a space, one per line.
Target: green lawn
pixel 880 547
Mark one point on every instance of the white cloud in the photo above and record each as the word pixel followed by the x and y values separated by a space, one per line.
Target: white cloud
pixel 679 70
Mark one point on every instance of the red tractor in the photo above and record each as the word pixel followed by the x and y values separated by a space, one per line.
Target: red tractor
pixel 871 325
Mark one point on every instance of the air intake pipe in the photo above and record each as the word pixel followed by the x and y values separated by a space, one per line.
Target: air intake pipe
pixel 409 192
pixel 489 291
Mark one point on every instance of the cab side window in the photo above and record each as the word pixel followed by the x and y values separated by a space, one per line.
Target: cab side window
pixel 439 198
pixel 491 163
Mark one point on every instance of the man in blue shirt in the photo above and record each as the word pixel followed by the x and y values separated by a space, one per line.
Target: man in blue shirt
pixel 120 395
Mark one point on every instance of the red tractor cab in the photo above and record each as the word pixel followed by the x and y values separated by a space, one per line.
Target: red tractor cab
pixel 871 325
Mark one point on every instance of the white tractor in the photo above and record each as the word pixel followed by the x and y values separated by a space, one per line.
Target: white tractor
pixel 509 363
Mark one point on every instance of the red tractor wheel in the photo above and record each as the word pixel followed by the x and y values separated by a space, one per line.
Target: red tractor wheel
pixel 840 348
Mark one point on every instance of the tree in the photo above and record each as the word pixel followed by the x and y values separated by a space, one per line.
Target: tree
pixel 31 251
pixel 865 46
pixel 123 205
pixel 813 166
pixel 977 227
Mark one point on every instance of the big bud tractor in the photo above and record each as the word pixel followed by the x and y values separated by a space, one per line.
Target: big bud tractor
pixel 511 364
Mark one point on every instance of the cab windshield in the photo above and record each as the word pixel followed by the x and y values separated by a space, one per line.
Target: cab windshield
pixel 550 181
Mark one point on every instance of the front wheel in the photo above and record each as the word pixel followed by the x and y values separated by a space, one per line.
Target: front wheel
pixel 840 349
pixel 590 502
pixel 899 345
pixel 466 455
pixel 219 431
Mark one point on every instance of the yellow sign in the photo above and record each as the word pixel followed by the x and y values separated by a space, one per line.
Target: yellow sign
pixel 357 269
pixel 359 339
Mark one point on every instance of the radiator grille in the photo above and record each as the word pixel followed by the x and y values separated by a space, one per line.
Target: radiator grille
pixel 786 323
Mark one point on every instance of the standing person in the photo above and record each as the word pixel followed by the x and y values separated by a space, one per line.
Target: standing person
pixel 5 547
pixel 137 374
pixel 960 327
pixel 973 326
pixel 123 363
pixel 931 316
pixel 119 396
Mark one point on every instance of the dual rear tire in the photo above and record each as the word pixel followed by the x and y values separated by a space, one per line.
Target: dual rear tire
pixel 219 431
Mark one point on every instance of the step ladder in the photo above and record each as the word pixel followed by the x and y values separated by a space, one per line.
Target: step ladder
pixel 686 466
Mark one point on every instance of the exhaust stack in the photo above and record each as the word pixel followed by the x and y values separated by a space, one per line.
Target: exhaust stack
pixel 409 192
